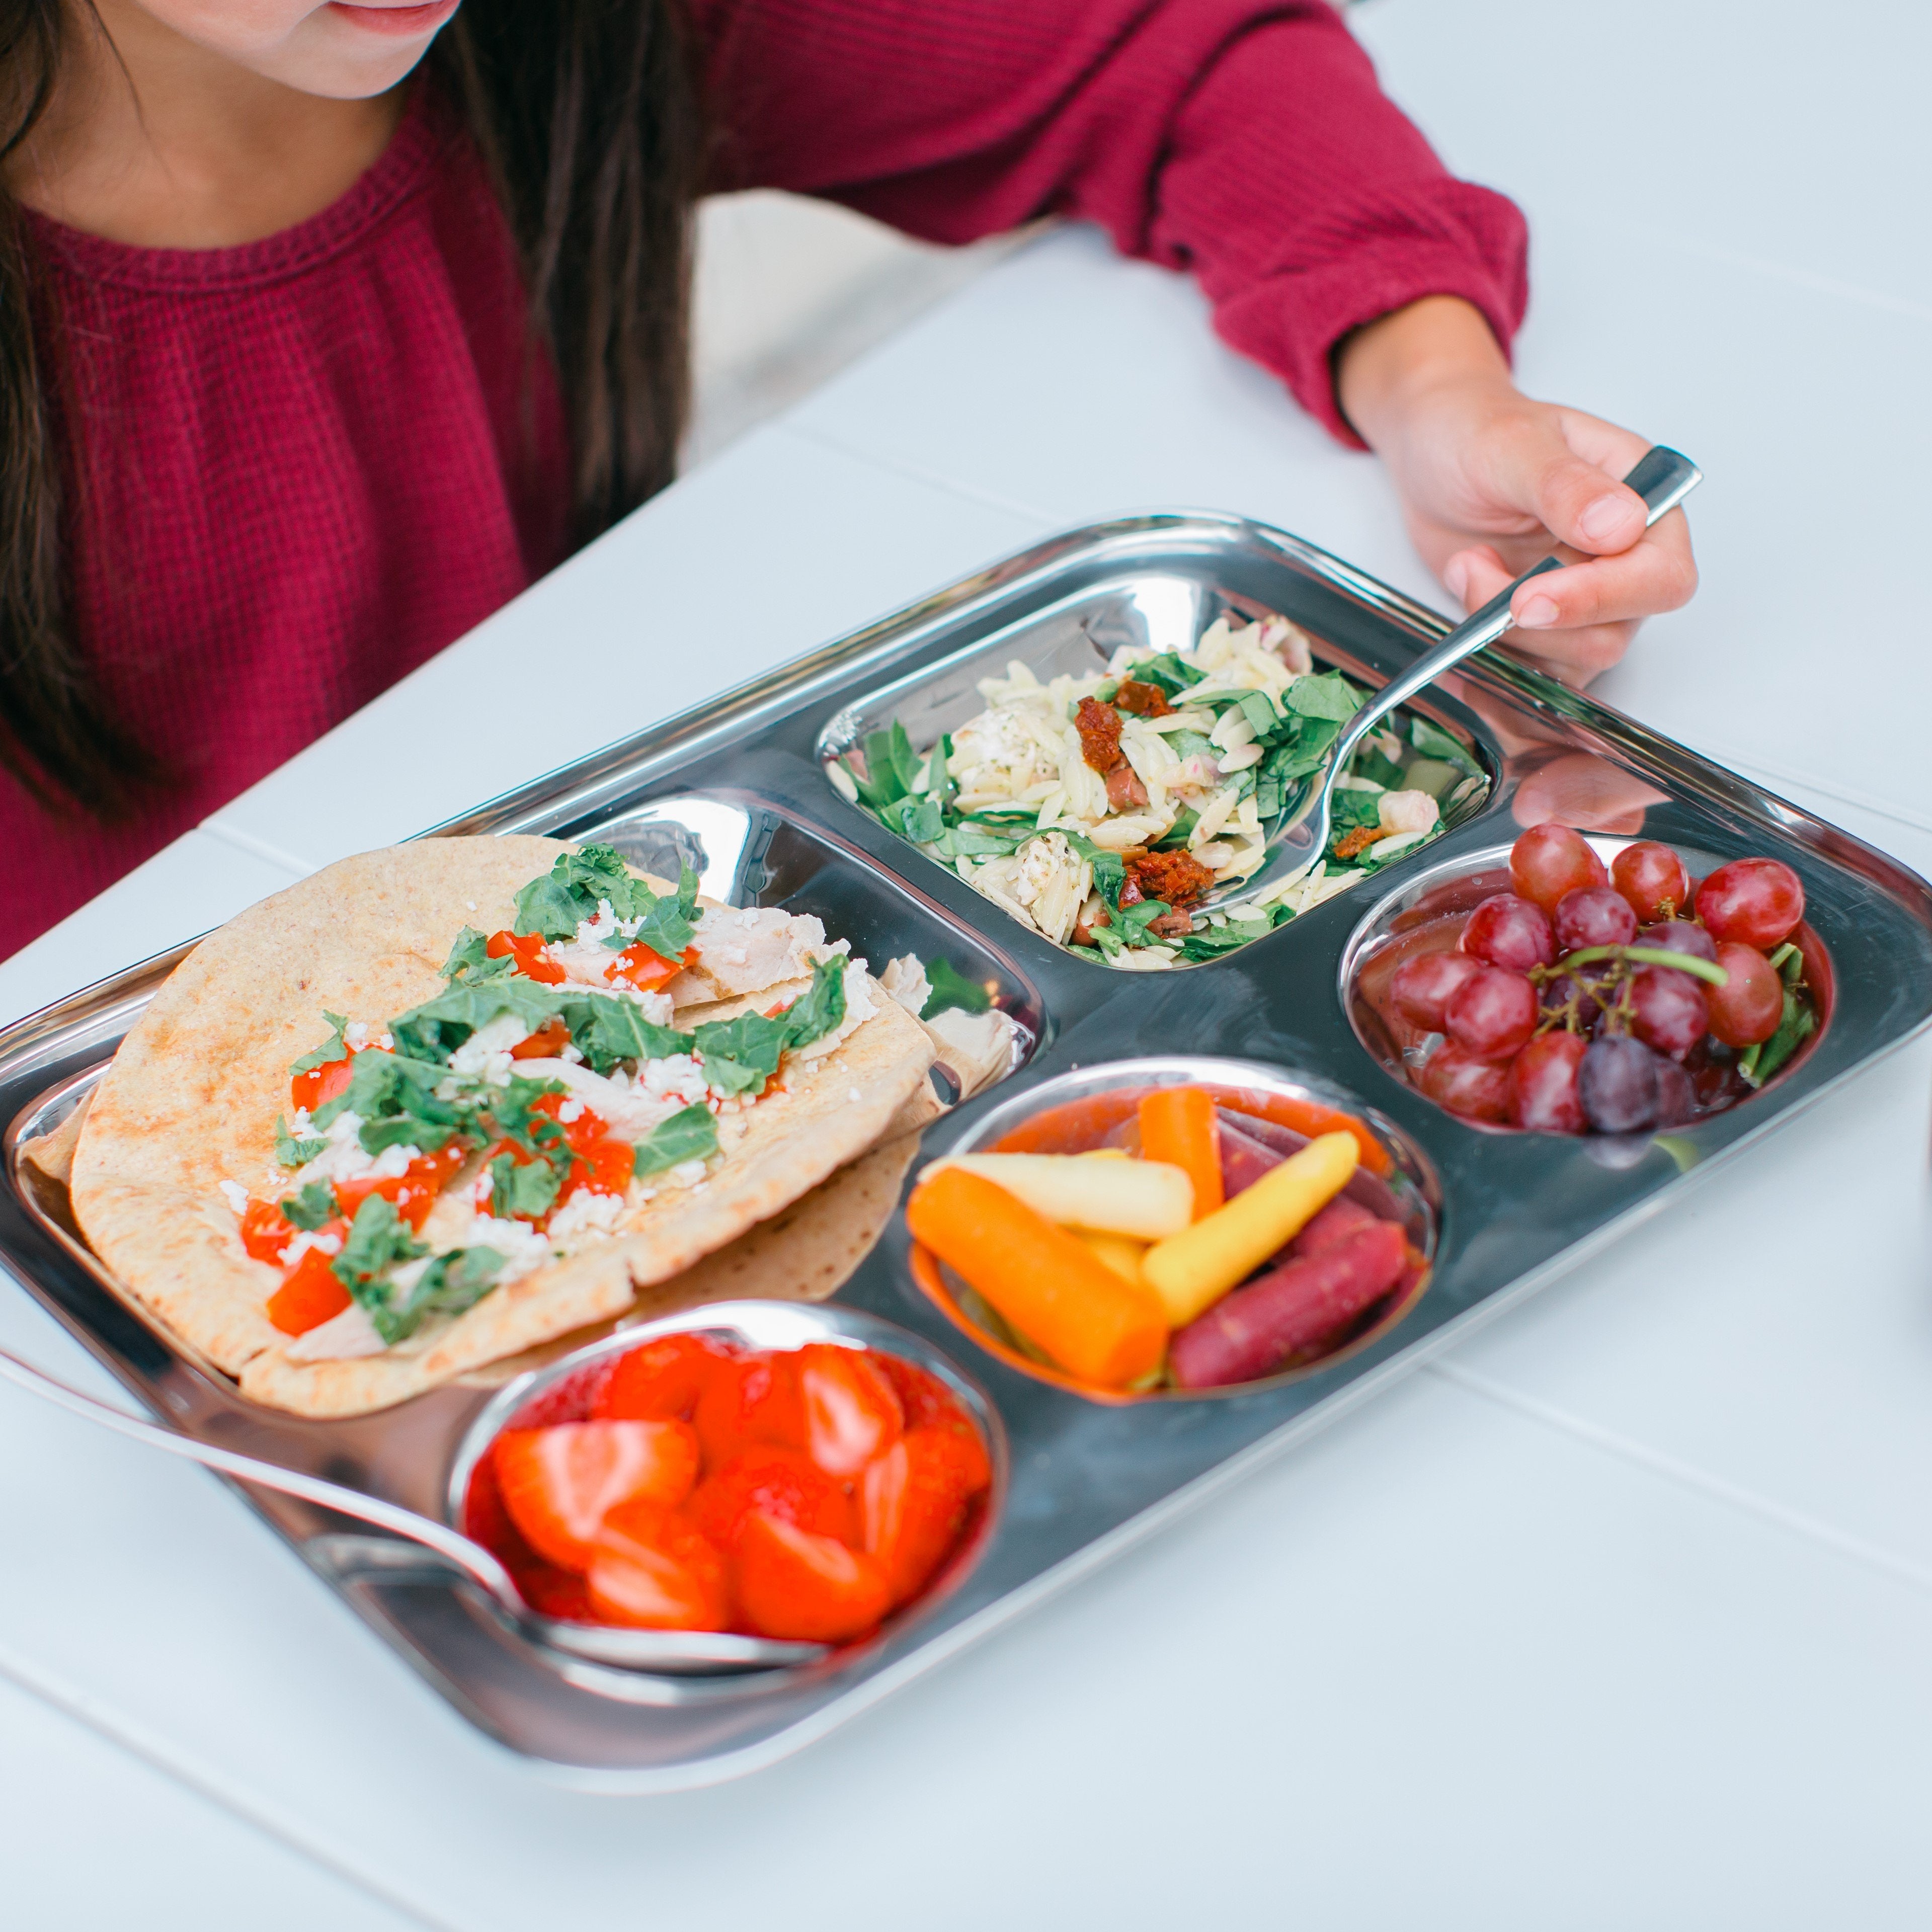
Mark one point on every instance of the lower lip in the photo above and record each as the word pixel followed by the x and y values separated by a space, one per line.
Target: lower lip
pixel 404 22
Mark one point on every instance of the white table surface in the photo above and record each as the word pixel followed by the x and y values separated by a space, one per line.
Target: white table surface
pixel 1615 1617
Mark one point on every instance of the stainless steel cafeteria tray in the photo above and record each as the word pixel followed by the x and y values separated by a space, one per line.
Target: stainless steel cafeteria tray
pixel 737 786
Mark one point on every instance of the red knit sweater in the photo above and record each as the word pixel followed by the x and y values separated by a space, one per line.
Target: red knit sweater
pixel 306 462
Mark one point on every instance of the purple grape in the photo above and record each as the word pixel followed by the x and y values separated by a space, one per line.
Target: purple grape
pixel 1579 997
pixel 1617 1083
pixel 1680 935
pixel 1668 1011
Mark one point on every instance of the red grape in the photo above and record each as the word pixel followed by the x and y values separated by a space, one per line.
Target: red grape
pixel 1679 935
pixel 1652 878
pixel 1668 1009
pixel 1593 916
pixel 1466 1083
pixel 1755 901
pixel 1576 1000
pixel 1494 1014
pixel 1617 1083
pixel 1421 989
pixel 1748 1008
pixel 1676 1097
pixel 1543 1084
pixel 1550 860
pixel 1506 931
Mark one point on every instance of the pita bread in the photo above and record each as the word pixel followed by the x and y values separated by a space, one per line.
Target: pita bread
pixel 192 1098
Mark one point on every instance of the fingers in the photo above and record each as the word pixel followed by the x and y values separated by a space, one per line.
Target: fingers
pixel 1657 573
pixel 1562 467
pixel 1575 654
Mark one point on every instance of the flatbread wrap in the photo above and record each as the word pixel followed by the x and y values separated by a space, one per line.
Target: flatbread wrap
pixel 440 1105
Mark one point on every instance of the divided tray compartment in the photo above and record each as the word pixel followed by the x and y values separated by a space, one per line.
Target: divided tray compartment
pixel 738 788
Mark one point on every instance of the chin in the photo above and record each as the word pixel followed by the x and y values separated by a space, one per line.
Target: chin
pixel 337 59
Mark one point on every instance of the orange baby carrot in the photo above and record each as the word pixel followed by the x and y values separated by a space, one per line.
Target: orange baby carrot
pixel 1047 1282
pixel 1179 1124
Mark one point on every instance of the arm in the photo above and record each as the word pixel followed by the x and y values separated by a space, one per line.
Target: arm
pixel 1245 140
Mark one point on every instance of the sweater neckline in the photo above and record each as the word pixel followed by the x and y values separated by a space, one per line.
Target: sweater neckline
pixel 403 167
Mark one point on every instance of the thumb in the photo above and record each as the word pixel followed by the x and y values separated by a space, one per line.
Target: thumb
pixel 1575 500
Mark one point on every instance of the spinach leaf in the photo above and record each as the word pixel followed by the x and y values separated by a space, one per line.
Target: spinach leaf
pixel 451 1283
pixel 312 1207
pixel 1259 709
pixel 1433 742
pixel 1192 745
pixel 690 1134
pixel 291 1152
pixel 951 988
pixel 1175 839
pixel 1133 921
pixel 1354 808
pixel 1171 672
pixel 1323 694
pixel 890 767
pixel 332 1048
pixel 378 1238
pixel 1368 763
pixel 1210 942
pixel 1110 869
pixel 918 820
pixel 971 840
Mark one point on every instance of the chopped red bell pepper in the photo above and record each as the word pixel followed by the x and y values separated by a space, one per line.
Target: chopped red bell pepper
pixel 528 950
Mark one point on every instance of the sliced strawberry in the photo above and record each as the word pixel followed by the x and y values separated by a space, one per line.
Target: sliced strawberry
pixel 310 1294
pixel 851 1412
pixel 791 1583
pixel 552 1592
pixel 914 1500
pixel 750 1399
pixel 651 1568
pixel 558 1483
pixel 929 1404
pixel 784 1483
pixel 661 1379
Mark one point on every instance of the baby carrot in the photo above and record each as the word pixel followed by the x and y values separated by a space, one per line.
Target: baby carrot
pixel 1179 1125
pixel 1042 1279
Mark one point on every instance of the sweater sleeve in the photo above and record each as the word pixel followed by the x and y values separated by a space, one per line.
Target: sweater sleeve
pixel 1244 140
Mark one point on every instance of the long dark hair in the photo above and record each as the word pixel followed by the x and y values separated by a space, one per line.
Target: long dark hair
pixel 587 115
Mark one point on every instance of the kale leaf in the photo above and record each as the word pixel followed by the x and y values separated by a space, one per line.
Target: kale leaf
pixel 740 1055
pixel 395 1099
pixel 332 1048
pixel 820 1007
pixel 312 1207
pixel 378 1238
pixel 525 1189
pixel 608 1030
pixel 469 962
pixel 451 1283
pixel 291 1152
pixel 690 1134
pixel 433 1031
pixel 951 988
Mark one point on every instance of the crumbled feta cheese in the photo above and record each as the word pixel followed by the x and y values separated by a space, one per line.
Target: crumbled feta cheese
pixel 356 1036
pixel 586 1212
pixel 676 1077
pixel 523 1250
pixel 235 1194
pixel 855 1096
pixel 485 1055
pixel 687 1173
pixel 568 1111
pixel 344 1157
pixel 306 1238
pixel 905 980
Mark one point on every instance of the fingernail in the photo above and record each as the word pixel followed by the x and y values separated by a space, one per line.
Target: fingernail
pixel 1455 576
pixel 1537 613
pixel 1608 516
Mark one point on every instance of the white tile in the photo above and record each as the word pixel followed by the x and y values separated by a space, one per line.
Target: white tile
pixel 1432 1669
pixel 1779 132
pixel 775 548
pixel 94 1840
pixel 197 883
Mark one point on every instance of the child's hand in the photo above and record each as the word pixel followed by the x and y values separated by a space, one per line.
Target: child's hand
pixel 1490 479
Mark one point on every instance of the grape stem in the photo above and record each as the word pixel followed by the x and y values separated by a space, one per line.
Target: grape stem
pixel 1642 955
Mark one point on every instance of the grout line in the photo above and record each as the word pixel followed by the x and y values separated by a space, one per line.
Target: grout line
pixel 934 478
pixel 1688 1475
pixel 124 1735
pixel 1759 265
pixel 257 848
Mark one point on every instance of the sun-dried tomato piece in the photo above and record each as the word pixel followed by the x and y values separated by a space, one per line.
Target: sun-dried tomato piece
pixel 1142 699
pixel 1352 843
pixel 1124 789
pixel 1172 924
pixel 1099 728
pixel 1175 877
